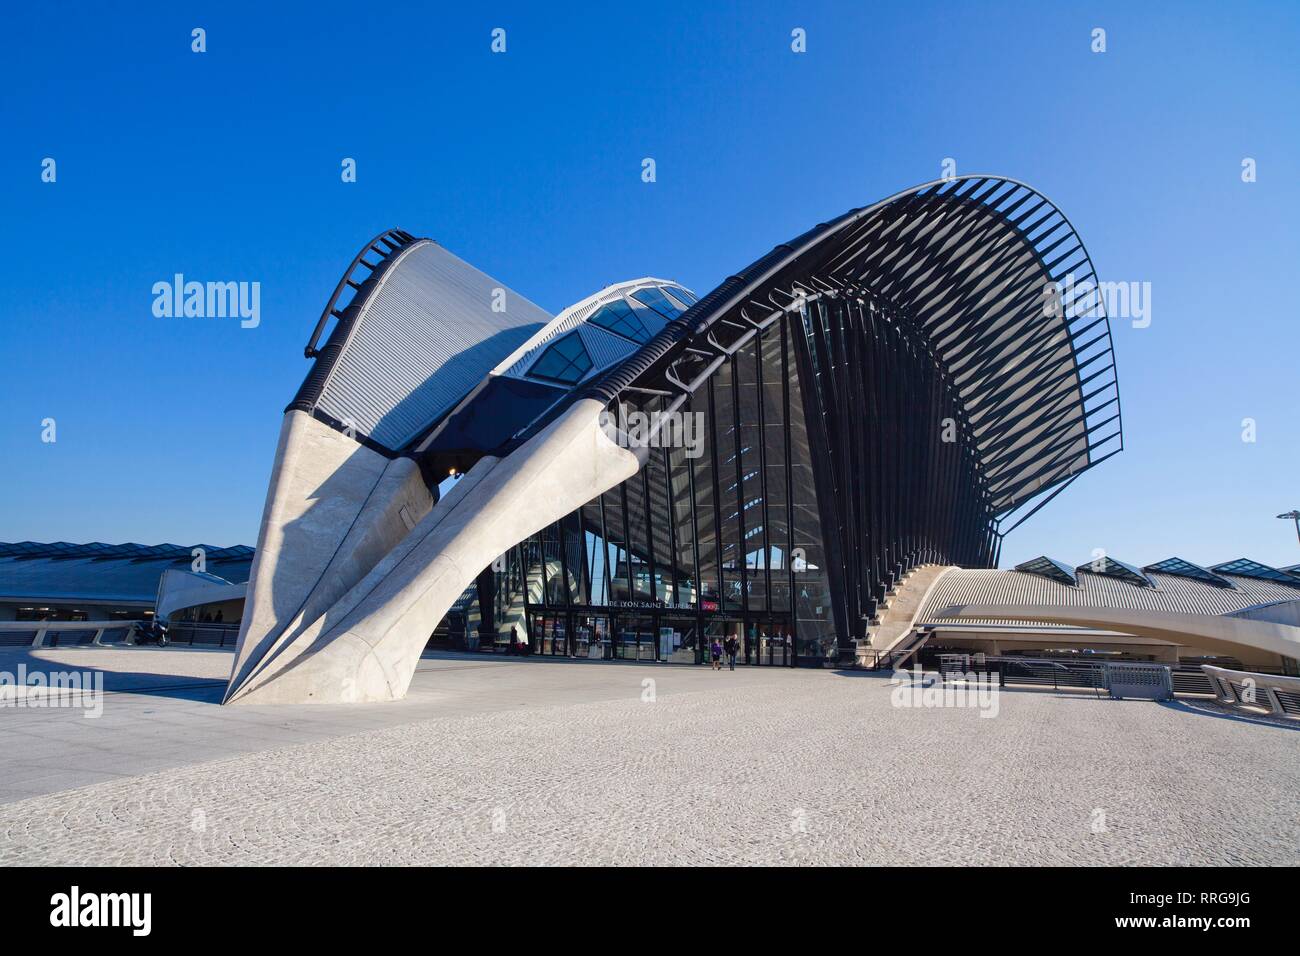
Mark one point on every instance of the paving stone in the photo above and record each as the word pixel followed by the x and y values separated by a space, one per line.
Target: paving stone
pixel 761 767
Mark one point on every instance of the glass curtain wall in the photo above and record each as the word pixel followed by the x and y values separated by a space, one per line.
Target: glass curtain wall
pixel 700 545
pixel 823 459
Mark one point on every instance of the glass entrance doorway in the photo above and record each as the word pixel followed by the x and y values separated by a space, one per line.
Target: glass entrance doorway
pixel 635 637
pixel 717 630
pixel 767 642
pixel 551 635
pixel 760 642
pixel 592 634
pixel 667 635
pixel 679 640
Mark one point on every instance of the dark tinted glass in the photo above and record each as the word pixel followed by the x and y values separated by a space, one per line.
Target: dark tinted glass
pixel 618 317
pixel 565 361
pixel 657 301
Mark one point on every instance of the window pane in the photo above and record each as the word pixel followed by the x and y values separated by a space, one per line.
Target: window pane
pixel 619 318
pixel 565 361
pixel 657 301
pixel 681 295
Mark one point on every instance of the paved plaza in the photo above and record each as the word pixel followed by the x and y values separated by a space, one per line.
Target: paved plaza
pixel 508 761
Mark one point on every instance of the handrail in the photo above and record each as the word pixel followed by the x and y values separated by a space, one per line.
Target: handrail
pixel 223 632
pixel 67 625
pixel 1093 672
pixel 396 240
pixel 40 628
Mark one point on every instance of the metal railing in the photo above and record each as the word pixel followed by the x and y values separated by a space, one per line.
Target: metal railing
pixel 209 634
pixel 874 660
pixel 64 633
pixel 1028 671
pixel 909 645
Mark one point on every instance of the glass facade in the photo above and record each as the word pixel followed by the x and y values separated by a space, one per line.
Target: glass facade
pixel 818 458
pixel 717 537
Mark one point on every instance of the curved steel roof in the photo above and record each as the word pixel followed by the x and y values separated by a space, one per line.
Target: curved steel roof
pixel 996 277
pixel 420 333
pixel 1170 592
pixel 63 572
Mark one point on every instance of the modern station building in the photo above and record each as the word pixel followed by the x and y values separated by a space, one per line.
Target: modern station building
pixel 649 470
pixel 818 458
pixel 103 584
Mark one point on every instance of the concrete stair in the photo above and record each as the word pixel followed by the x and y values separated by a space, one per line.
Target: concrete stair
pixel 894 617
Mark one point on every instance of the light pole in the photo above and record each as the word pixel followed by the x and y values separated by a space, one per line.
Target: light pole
pixel 1293 516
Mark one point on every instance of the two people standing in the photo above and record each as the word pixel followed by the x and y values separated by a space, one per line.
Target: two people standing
pixel 730 647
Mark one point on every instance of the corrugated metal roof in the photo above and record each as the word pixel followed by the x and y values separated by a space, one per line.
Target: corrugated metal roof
pixel 69 573
pixel 605 348
pixel 1171 593
pixel 427 336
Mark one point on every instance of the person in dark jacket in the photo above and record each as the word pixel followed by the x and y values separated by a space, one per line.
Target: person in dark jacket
pixel 731 646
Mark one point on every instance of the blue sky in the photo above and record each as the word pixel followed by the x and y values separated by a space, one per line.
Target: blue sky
pixel 225 166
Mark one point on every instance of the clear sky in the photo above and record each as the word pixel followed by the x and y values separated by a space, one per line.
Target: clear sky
pixel 225 165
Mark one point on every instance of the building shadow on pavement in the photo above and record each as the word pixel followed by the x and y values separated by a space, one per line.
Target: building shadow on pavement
pixel 118 669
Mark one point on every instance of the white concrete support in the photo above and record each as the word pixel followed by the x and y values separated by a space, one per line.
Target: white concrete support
pixel 333 510
pixel 366 645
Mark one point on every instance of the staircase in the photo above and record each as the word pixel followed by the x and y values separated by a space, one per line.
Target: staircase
pixel 891 637
pixel 902 653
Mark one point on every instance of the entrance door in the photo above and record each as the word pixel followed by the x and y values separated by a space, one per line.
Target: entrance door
pixel 767 643
pixel 775 644
pixel 635 639
pixel 719 629
pixel 679 640
pixel 592 636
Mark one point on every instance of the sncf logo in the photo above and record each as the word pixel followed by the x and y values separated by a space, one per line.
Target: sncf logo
pixel 102 909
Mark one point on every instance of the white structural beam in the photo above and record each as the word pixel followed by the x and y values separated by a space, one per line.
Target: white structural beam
pixel 364 647
pixel 333 510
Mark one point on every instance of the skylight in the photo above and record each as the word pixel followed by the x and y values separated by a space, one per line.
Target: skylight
pixel 1048 568
pixel 565 361
pixel 1109 567
pixel 1185 569
pixel 618 317
pixel 1246 568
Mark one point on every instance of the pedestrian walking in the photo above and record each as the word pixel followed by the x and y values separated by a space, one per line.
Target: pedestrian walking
pixel 715 654
pixel 731 646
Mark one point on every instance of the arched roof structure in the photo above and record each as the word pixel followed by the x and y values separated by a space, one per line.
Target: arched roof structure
pixel 882 391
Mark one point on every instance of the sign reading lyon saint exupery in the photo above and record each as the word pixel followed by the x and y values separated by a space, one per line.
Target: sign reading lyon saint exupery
pixel 892 372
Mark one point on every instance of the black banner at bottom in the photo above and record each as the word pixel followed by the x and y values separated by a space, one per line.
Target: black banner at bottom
pixel 343 905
